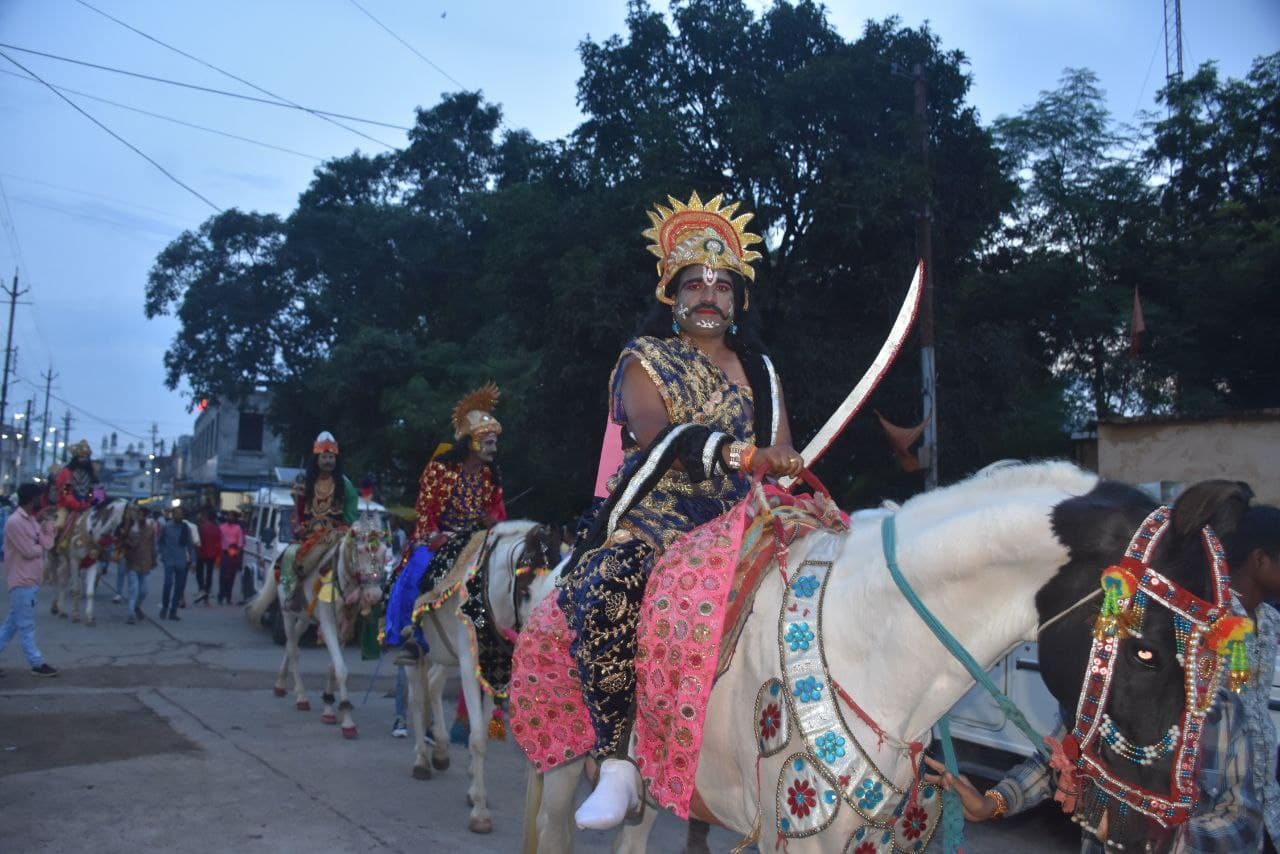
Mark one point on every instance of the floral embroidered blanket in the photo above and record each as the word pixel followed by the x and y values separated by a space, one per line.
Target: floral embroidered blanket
pixel 696 602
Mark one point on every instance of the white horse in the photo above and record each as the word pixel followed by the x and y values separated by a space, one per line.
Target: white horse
pixel 341 578
pixel 506 548
pixel 975 553
pixel 62 568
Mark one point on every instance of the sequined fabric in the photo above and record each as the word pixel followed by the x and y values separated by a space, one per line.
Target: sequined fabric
pixel 601 596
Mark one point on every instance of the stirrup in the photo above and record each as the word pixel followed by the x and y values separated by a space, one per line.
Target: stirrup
pixel 619 778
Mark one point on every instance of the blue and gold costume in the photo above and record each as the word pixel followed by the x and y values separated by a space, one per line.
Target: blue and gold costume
pixel 651 504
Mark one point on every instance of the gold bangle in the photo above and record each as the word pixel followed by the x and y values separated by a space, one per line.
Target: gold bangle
pixel 747 456
pixel 1002 806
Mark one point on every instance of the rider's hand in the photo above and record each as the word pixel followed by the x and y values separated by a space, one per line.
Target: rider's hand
pixel 977 806
pixel 488 522
pixel 777 460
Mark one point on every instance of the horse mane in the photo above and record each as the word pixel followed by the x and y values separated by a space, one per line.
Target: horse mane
pixel 513 526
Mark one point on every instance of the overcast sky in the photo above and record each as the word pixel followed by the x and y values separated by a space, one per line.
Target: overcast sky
pixel 83 217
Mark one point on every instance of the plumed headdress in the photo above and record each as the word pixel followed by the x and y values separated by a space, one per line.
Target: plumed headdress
pixel 325 443
pixel 695 233
pixel 473 416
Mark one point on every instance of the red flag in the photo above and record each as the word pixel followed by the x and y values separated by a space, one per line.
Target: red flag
pixel 1137 326
pixel 902 438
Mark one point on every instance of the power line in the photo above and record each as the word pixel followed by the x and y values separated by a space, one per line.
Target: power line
pixel 126 142
pixel 226 73
pixel 168 118
pixel 88 193
pixel 208 89
pixel 415 51
pixel 80 215
pixel 86 413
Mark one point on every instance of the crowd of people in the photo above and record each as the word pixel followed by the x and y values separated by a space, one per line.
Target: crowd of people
pixel 213 547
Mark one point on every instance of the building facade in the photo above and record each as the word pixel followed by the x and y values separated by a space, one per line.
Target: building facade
pixel 233 449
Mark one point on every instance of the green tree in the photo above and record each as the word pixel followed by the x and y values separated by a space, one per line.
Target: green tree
pixel 1077 240
pixel 1219 241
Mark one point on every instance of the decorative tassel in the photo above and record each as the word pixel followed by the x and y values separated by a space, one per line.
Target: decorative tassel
pixel 460 732
pixel 497 727
pixel 1238 674
pixel 1118 585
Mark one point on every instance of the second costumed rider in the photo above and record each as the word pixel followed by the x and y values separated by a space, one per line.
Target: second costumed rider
pixel 700 406
pixel 460 492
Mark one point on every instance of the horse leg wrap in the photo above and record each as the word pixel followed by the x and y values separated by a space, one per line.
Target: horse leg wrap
pixel 328 698
pixel 345 705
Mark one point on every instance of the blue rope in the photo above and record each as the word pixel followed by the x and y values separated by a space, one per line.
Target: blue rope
pixel 952 645
pixel 952 808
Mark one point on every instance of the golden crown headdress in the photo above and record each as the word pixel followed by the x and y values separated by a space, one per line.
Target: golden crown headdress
pixel 81 449
pixel 695 233
pixel 473 414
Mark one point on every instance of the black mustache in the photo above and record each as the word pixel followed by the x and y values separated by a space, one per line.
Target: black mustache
pixel 697 308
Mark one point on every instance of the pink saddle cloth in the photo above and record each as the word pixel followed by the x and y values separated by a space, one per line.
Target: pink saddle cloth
pixel 687 607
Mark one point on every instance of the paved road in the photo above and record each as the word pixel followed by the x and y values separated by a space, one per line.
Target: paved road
pixel 167 735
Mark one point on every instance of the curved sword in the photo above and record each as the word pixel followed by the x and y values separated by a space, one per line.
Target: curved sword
pixel 889 351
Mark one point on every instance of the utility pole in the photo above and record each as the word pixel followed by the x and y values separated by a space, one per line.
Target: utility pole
pixel 23 435
pixel 1173 40
pixel 924 246
pixel 66 436
pixel 49 377
pixel 154 459
pixel 13 293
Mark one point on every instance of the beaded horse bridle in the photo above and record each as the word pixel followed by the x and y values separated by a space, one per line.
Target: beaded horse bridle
pixel 1210 642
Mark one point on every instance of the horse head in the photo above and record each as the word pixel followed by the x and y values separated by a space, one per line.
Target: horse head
pixel 364 552
pixel 517 553
pixel 1141 711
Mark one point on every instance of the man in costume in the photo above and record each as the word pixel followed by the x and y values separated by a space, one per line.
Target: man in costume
pixel 700 408
pixel 75 490
pixel 459 493
pixel 325 500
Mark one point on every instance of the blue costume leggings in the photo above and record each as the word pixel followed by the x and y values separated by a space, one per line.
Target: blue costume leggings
pixel 403 594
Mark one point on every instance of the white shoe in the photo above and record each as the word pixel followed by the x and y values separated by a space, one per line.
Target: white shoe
pixel 398 729
pixel 117 599
pixel 616 796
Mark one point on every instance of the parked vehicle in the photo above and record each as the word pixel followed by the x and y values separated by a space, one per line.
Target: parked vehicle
pixel 269 530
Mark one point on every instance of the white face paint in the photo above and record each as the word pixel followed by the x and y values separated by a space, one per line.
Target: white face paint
pixel 704 301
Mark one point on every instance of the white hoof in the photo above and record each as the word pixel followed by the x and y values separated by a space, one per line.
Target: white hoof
pixel 616 796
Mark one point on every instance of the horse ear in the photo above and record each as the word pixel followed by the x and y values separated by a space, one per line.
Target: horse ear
pixel 1219 504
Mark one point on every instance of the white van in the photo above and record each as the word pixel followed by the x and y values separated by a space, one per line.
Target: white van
pixel 977 719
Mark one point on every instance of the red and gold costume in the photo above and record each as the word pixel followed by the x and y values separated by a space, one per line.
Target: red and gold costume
pixel 456 497
pixel 73 490
pixel 450 498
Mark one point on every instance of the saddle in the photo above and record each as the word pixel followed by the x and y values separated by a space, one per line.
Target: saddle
pixel 696 603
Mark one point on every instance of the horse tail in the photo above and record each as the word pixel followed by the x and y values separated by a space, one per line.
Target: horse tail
pixel 262 601
pixel 532 805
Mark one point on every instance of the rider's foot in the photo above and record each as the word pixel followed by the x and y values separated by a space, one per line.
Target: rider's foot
pixel 410 652
pixel 616 797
